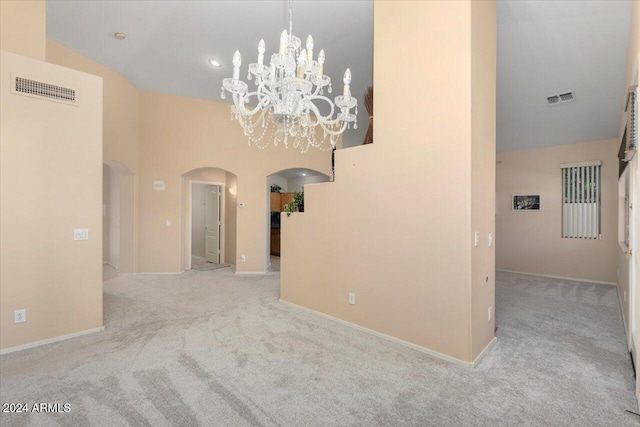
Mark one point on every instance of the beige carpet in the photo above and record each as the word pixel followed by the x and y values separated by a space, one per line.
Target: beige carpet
pixel 201 264
pixel 215 349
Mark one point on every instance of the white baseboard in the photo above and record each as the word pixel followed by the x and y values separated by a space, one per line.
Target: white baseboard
pixel 573 279
pixel 251 273
pixel 485 351
pixel 148 273
pixel 411 345
pixel 622 311
pixel 111 265
pixel 51 340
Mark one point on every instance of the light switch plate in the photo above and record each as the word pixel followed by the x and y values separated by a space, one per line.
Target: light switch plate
pixel 81 234
pixel 20 316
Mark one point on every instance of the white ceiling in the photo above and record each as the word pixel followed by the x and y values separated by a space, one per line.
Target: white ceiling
pixel 169 43
pixel 550 47
pixel 298 173
pixel 544 48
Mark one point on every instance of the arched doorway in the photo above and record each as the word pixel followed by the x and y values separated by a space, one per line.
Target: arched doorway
pixel 118 219
pixel 281 189
pixel 208 219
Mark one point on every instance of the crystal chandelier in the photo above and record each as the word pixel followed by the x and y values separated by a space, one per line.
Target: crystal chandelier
pixel 288 97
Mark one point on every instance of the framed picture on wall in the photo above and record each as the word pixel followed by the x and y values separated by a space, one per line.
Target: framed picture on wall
pixel 526 202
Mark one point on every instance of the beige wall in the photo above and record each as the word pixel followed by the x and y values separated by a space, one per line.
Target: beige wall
pixel 483 179
pixel 42 153
pixel 121 141
pixel 106 194
pixel 113 213
pixel 23 27
pixel 121 105
pixel 179 135
pixel 162 137
pixel 531 242
pixel 231 218
pixel 401 238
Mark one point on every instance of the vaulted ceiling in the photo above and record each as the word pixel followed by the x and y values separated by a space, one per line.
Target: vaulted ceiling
pixel 169 44
pixel 547 48
pixel 544 48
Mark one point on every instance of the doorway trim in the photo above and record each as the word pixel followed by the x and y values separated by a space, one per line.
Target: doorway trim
pixel 189 219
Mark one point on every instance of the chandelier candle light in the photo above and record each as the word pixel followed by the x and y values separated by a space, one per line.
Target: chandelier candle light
pixel 285 105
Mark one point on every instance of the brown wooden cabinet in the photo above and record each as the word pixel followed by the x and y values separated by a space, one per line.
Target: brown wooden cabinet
pixel 285 199
pixel 278 200
pixel 275 241
pixel 276 206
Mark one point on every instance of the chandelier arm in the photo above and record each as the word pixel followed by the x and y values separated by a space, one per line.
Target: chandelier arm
pixel 315 108
pixel 325 124
pixel 238 100
pixel 334 132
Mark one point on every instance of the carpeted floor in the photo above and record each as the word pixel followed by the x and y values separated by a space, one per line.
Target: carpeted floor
pixel 215 349
pixel 201 264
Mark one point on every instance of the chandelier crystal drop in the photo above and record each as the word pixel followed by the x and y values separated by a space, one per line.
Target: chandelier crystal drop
pixel 288 97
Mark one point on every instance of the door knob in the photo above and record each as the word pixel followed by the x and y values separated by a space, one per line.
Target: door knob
pixel 629 252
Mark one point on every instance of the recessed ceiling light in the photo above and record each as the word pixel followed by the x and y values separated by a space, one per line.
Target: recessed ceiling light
pixel 120 36
pixel 214 63
pixel 304 174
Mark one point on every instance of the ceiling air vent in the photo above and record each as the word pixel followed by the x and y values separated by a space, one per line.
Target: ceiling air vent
pixel 566 97
pixel 553 99
pixel 560 99
pixel 47 91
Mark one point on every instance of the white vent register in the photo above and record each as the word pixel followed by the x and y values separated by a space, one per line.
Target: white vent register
pixel 562 98
pixel 37 89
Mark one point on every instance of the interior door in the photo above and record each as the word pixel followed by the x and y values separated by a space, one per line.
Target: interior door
pixel 212 238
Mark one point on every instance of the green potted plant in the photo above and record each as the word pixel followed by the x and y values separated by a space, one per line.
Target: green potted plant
pixel 275 188
pixel 296 205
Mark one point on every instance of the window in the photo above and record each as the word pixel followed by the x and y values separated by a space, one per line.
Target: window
pixel 581 200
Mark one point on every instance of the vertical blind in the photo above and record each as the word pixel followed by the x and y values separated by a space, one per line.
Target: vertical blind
pixel 581 200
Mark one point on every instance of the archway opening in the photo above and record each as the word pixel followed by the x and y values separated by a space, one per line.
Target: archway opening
pixel 209 219
pixel 118 219
pixel 282 187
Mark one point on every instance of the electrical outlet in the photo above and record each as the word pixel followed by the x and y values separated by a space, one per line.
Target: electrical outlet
pixel 352 298
pixel 243 257
pixel 81 234
pixel 490 239
pixel 476 239
pixel 168 223
pixel 20 316
pixel 490 314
